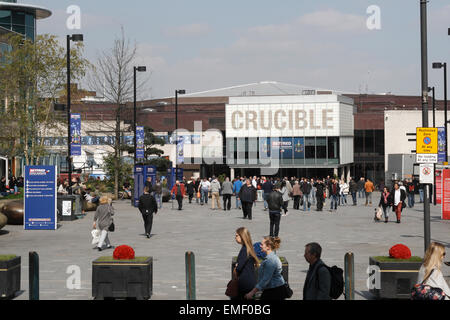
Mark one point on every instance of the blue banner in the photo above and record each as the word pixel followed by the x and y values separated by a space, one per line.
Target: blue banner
pixel 286 148
pixel 180 150
pixel 441 144
pixel 40 198
pixel 75 134
pixel 138 184
pixel 299 148
pixel 140 136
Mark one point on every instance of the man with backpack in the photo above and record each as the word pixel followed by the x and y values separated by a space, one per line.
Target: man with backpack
pixel 322 282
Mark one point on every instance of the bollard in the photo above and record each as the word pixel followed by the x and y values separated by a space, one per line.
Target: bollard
pixel 190 275
pixel 349 276
pixel 33 275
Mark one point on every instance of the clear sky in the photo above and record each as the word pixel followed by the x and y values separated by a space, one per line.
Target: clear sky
pixel 199 45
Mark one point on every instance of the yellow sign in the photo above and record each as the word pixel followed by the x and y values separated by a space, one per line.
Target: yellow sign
pixel 427 140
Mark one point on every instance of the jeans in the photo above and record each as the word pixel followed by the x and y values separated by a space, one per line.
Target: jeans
pixel 354 198
pixel 306 200
pixel 274 223
pixel 238 203
pixel 103 238
pixel 385 211
pixel 361 193
pixel 334 200
pixel 265 196
pixel 204 196
pixel 421 195
pixel 410 200
pixel 368 197
pixel 343 198
pixel 158 200
pixel 312 196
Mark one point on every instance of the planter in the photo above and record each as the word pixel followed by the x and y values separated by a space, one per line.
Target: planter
pixel 9 276
pixel 122 278
pixel 397 277
pixel 284 270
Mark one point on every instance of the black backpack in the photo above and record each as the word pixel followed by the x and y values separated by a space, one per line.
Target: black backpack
pixel 337 281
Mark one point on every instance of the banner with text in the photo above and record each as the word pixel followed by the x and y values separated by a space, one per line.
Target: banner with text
pixel 75 134
pixel 140 136
pixel 445 194
pixel 438 186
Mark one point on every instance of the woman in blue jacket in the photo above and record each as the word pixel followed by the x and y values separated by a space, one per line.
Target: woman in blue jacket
pixel 271 281
pixel 246 262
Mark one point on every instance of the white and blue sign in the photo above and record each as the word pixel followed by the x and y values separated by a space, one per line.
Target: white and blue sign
pixel 75 134
pixel 40 198
pixel 140 136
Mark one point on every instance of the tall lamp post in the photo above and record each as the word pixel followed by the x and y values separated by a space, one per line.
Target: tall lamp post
pixel 439 65
pixel 74 38
pixel 177 92
pixel 138 69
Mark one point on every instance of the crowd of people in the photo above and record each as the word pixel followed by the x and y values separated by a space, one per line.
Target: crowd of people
pixel 12 188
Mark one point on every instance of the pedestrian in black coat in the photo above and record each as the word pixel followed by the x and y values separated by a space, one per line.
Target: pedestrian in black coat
pixel 246 262
pixel 247 195
pixel 147 206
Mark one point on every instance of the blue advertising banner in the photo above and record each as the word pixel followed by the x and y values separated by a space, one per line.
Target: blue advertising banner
pixel 138 184
pixel 441 144
pixel 150 171
pixel 299 148
pixel 75 133
pixel 40 198
pixel 140 142
pixel 264 147
pixel 180 150
pixel 286 148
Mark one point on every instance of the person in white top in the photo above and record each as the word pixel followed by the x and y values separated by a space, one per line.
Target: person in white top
pixel 205 186
pixel 434 257
pixel 398 197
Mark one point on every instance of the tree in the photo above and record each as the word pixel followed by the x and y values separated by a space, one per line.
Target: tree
pixel 31 76
pixel 112 74
pixel 150 141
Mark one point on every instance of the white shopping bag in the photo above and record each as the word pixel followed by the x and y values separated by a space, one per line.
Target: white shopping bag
pixel 95 236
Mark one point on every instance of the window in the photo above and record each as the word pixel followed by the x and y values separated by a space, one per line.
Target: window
pixel 310 150
pixel 217 122
pixel 321 148
pixel 359 141
pixel 369 145
pixel 379 141
pixel 333 148
pixel 5 19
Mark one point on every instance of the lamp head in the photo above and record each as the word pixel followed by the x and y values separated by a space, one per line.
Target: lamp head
pixel 437 65
pixel 181 91
pixel 77 37
pixel 141 68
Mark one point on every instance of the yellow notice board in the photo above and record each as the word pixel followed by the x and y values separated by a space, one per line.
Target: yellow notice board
pixel 427 140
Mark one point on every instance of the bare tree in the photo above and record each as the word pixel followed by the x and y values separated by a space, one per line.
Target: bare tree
pixel 112 75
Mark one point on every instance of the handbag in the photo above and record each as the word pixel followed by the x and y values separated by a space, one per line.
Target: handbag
pixel 379 213
pixel 287 291
pixel 422 291
pixel 233 285
pixel 112 227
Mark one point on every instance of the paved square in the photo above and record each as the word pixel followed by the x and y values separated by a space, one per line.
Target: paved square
pixel 210 235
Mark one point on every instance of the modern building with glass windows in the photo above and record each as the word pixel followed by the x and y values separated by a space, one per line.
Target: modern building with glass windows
pixel 21 18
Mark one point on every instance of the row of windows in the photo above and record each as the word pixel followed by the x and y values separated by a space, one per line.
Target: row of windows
pixel 289 150
pixel 21 22
pixel 369 141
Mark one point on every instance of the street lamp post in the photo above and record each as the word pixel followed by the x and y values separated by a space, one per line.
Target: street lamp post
pixel 139 69
pixel 439 65
pixel 176 130
pixel 75 38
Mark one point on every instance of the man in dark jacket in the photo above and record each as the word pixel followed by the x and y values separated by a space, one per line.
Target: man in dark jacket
pixel 360 185
pixel 333 190
pixel 353 189
pixel 190 188
pixel 247 195
pixel 397 199
pixel 318 279
pixel 147 206
pixel 305 186
pixel 267 188
pixel 275 203
pixel 149 185
pixel 320 191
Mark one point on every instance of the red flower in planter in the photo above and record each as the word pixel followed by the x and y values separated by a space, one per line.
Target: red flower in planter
pixel 123 252
pixel 400 251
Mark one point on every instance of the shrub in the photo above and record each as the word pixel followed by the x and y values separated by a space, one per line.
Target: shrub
pixel 400 251
pixel 123 252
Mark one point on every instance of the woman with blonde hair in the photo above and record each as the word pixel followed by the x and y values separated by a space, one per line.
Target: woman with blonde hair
pixel 431 268
pixel 103 220
pixel 271 282
pixel 246 263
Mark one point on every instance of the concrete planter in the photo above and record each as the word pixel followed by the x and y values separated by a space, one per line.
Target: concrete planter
pixel 122 278
pixel 9 277
pixel 397 277
pixel 284 270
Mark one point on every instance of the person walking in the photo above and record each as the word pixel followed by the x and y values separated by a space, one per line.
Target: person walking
pixel 333 191
pixel 246 263
pixel 361 190
pixel 227 192
pixel 410 193
pixel 179 191
pixel 275 203
pixel 205 185
pixel 147 207
pixel 318 279
pixel 215 193
pixel 353 189
pixel 312 194
pixel 237 185
pixel 320 194
pixel 285 194
pixel 190 188
pixel 430 272
pixel 157 192
pixel 103 220
pixel 197 190
pixel 267 188
pixel 398 197
pixel 369 188
pixel 149 184
pixel 297 194
pixel 306 190
pixel 343 192
pixel 385 203
pixel 271 282
pixel 247 195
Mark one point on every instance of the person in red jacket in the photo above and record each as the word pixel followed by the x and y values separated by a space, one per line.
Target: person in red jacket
pixel 179 191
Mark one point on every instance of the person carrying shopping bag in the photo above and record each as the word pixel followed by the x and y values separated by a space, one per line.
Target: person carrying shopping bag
pixel 103 221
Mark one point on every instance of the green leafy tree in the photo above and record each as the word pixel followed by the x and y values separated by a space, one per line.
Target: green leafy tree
pixel 31 76
pixel 150 143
